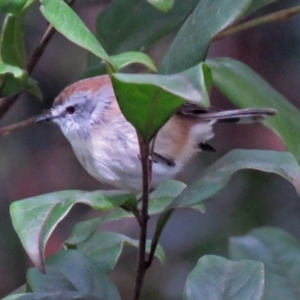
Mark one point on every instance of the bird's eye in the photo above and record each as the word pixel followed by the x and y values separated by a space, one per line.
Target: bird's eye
pixel 70 110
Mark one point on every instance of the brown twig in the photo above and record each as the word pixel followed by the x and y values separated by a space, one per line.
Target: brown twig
pixel 17 126
pixel 142 263
pixel 39 50
pixel 281 15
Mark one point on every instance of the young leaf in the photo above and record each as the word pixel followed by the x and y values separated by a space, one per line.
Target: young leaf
pixel 105 249
pixel 127 58
pixel 163 5
pixel 70 270
pixel 217 278
pixel 280 254
pixel 84 230
pixel 218 175
pixel 148 101
pixel 65 20
pixel 34 219
pixel 133 25
pixel 245 88
pixel 191 44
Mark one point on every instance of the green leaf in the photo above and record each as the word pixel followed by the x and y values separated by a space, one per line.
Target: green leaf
pixel 130 25
pixel 70 270
pixel 13 77
pixel 163 5
pixel 280 254
pixel 12 80
pixel 191 44
pixel 67 22
pixel 16 296
pixel 245 88
pixel 217 278
pixel 218 174
pixel 84 230
pixel 257 4
pixel 141 97
pixel 105 249
pixel 127 58
pixel 12 6
pixel 32 87
pixel 12 51
pixel 34 219
pixel 163 195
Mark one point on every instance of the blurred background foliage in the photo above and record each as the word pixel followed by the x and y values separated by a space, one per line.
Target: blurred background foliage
pixel 39 160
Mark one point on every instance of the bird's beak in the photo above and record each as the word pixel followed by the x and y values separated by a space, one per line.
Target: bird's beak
pixel 46 118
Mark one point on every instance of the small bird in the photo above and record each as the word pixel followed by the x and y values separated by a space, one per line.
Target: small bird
pixel 106 145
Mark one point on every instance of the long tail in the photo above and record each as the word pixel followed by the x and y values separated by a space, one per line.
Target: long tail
pixel 247 115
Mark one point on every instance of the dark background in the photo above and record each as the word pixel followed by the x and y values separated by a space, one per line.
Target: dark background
pixel 39 160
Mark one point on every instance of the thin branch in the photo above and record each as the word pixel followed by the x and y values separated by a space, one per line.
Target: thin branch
pixel 142 263
pixel 281 15
pixel 17 126
pixel 39 50
pixel 162 221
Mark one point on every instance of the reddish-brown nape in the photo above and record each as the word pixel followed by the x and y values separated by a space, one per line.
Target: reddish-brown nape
pixel 92 85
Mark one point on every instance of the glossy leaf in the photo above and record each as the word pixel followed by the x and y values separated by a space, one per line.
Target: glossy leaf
pixel 72 271
pixel 280 254
pixel 191 43
pixel 217 278
pixel 84 230
pixel 163 5
pixel 12 6
pixel 127 58
pixel 130 25
pixel 105 249
pixel 34 219
pixel 66 21
pixel 141 97
pixel 218 174
pixel 245 88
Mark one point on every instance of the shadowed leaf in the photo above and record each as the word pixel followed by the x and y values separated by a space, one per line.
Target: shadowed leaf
pixel 217 278
pixel 280 254
pixel 218 174
pixel 245 88
pixel 34 219
pixel 191 43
